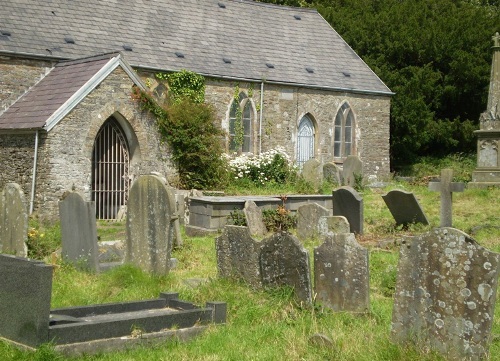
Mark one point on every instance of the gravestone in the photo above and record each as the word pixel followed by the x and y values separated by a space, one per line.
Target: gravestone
pixel 238 255
pixel 404 207
pixel 78 232
pixel 333 225
pixel 313 172
pixel 341 274
pixel 13 221
pixel 150 224
pixel 348 203
pixel 308 216
pixel 285 262
pixel 253 216
pixel 332 173
pixel 445 294
pixel 446 187
pixel 352 168
pixel 26 288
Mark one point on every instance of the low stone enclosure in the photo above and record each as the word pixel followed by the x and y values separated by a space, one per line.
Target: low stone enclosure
pixel 27 320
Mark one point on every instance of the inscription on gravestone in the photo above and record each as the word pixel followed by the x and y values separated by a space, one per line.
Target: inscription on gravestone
pixel 446 187
pixel 285 262
pixel 13 221
pixel 445 294
pixel 341 274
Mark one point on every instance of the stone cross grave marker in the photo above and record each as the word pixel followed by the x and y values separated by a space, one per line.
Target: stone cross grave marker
pixel 238 255
pixel 446 187
pixel 341 274
pixel 78 232
pixel 150 224
pixel 348 203
pixel 13 221
pixel 353 167
pixel 404 207
pixel 253 216
pixel 445 294
pixel 308 216
pixel 285 262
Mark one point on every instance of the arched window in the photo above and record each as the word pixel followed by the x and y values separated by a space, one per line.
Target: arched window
pixel 110 170
pixel 305 141
pixel 240 124
pixel 343 142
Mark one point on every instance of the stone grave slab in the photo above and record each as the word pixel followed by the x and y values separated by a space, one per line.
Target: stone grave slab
pixel 308 216
pixel 445 294
pixel 150 224
pixel 352 168
pixel 341 274
pixel 285 262
pixel 78 232
pixel 13 221
pixel 349 204
pixel 312 171
pixel 253 216
pixel 404 207
pixel 446 187
pixel 333 225
pixel 332 173
pixel 238 255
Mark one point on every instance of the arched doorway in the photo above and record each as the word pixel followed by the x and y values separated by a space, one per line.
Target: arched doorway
pixel 305 141
pixel 110 170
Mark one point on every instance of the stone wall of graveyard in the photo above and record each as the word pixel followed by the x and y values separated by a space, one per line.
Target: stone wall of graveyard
pixel 66 155
pixel 17 76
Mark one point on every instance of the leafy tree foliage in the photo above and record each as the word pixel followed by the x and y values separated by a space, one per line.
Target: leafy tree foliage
pixel 434 54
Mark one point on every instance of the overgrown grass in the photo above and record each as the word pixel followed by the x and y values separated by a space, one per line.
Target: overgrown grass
pixel 269 324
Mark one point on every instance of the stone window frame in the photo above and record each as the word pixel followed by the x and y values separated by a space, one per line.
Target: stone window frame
pixel 248 116
pixel 344 132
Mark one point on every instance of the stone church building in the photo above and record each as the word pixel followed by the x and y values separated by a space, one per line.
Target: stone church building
pixel 67 68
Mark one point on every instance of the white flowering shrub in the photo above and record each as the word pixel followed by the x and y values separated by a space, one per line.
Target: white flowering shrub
pixel 271 166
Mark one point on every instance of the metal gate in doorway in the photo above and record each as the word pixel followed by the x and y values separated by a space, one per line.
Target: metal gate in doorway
pixel 305 141
pixel 110 170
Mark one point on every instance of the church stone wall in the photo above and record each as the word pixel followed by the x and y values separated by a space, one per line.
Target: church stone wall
pixel 17 76
pixel 66 155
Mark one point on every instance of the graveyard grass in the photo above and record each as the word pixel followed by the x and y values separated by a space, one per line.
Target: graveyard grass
pixel 270 325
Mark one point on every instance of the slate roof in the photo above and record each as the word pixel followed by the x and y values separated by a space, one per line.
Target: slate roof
pixel 247 34
pixel 59 92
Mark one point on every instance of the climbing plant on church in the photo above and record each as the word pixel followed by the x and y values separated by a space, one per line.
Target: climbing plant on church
pixel 188 126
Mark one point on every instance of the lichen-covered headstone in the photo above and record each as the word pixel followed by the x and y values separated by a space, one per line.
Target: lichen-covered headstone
pixel 352 171
pixel 445 294
pixel 285 262
pixel 78 232
pixel 238 255
pixel 341 274
pixel 308 216
pixel 150 225
pixel 253 216
pixel 313 172
pixel 332 173
pixel 349 204
pixel 333 225
pixel 13 221
pixel 404 207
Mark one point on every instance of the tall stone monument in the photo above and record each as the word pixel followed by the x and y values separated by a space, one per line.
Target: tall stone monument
pixel 487 172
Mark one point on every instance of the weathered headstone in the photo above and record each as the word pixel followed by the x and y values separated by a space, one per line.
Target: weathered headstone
pixel 78 232
pixel 313 172
pixel 253 216
pixel 26 288
pixel 238 255
pixel 13 221
pixel 285 262
pixel 404 207
pixel 348 203
pixel 333 225
pixel 446 187
pixel 352 169
pixel 150 224
pixel 341 274
pixel 445 294
pixel 332 173
pixel 308 216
